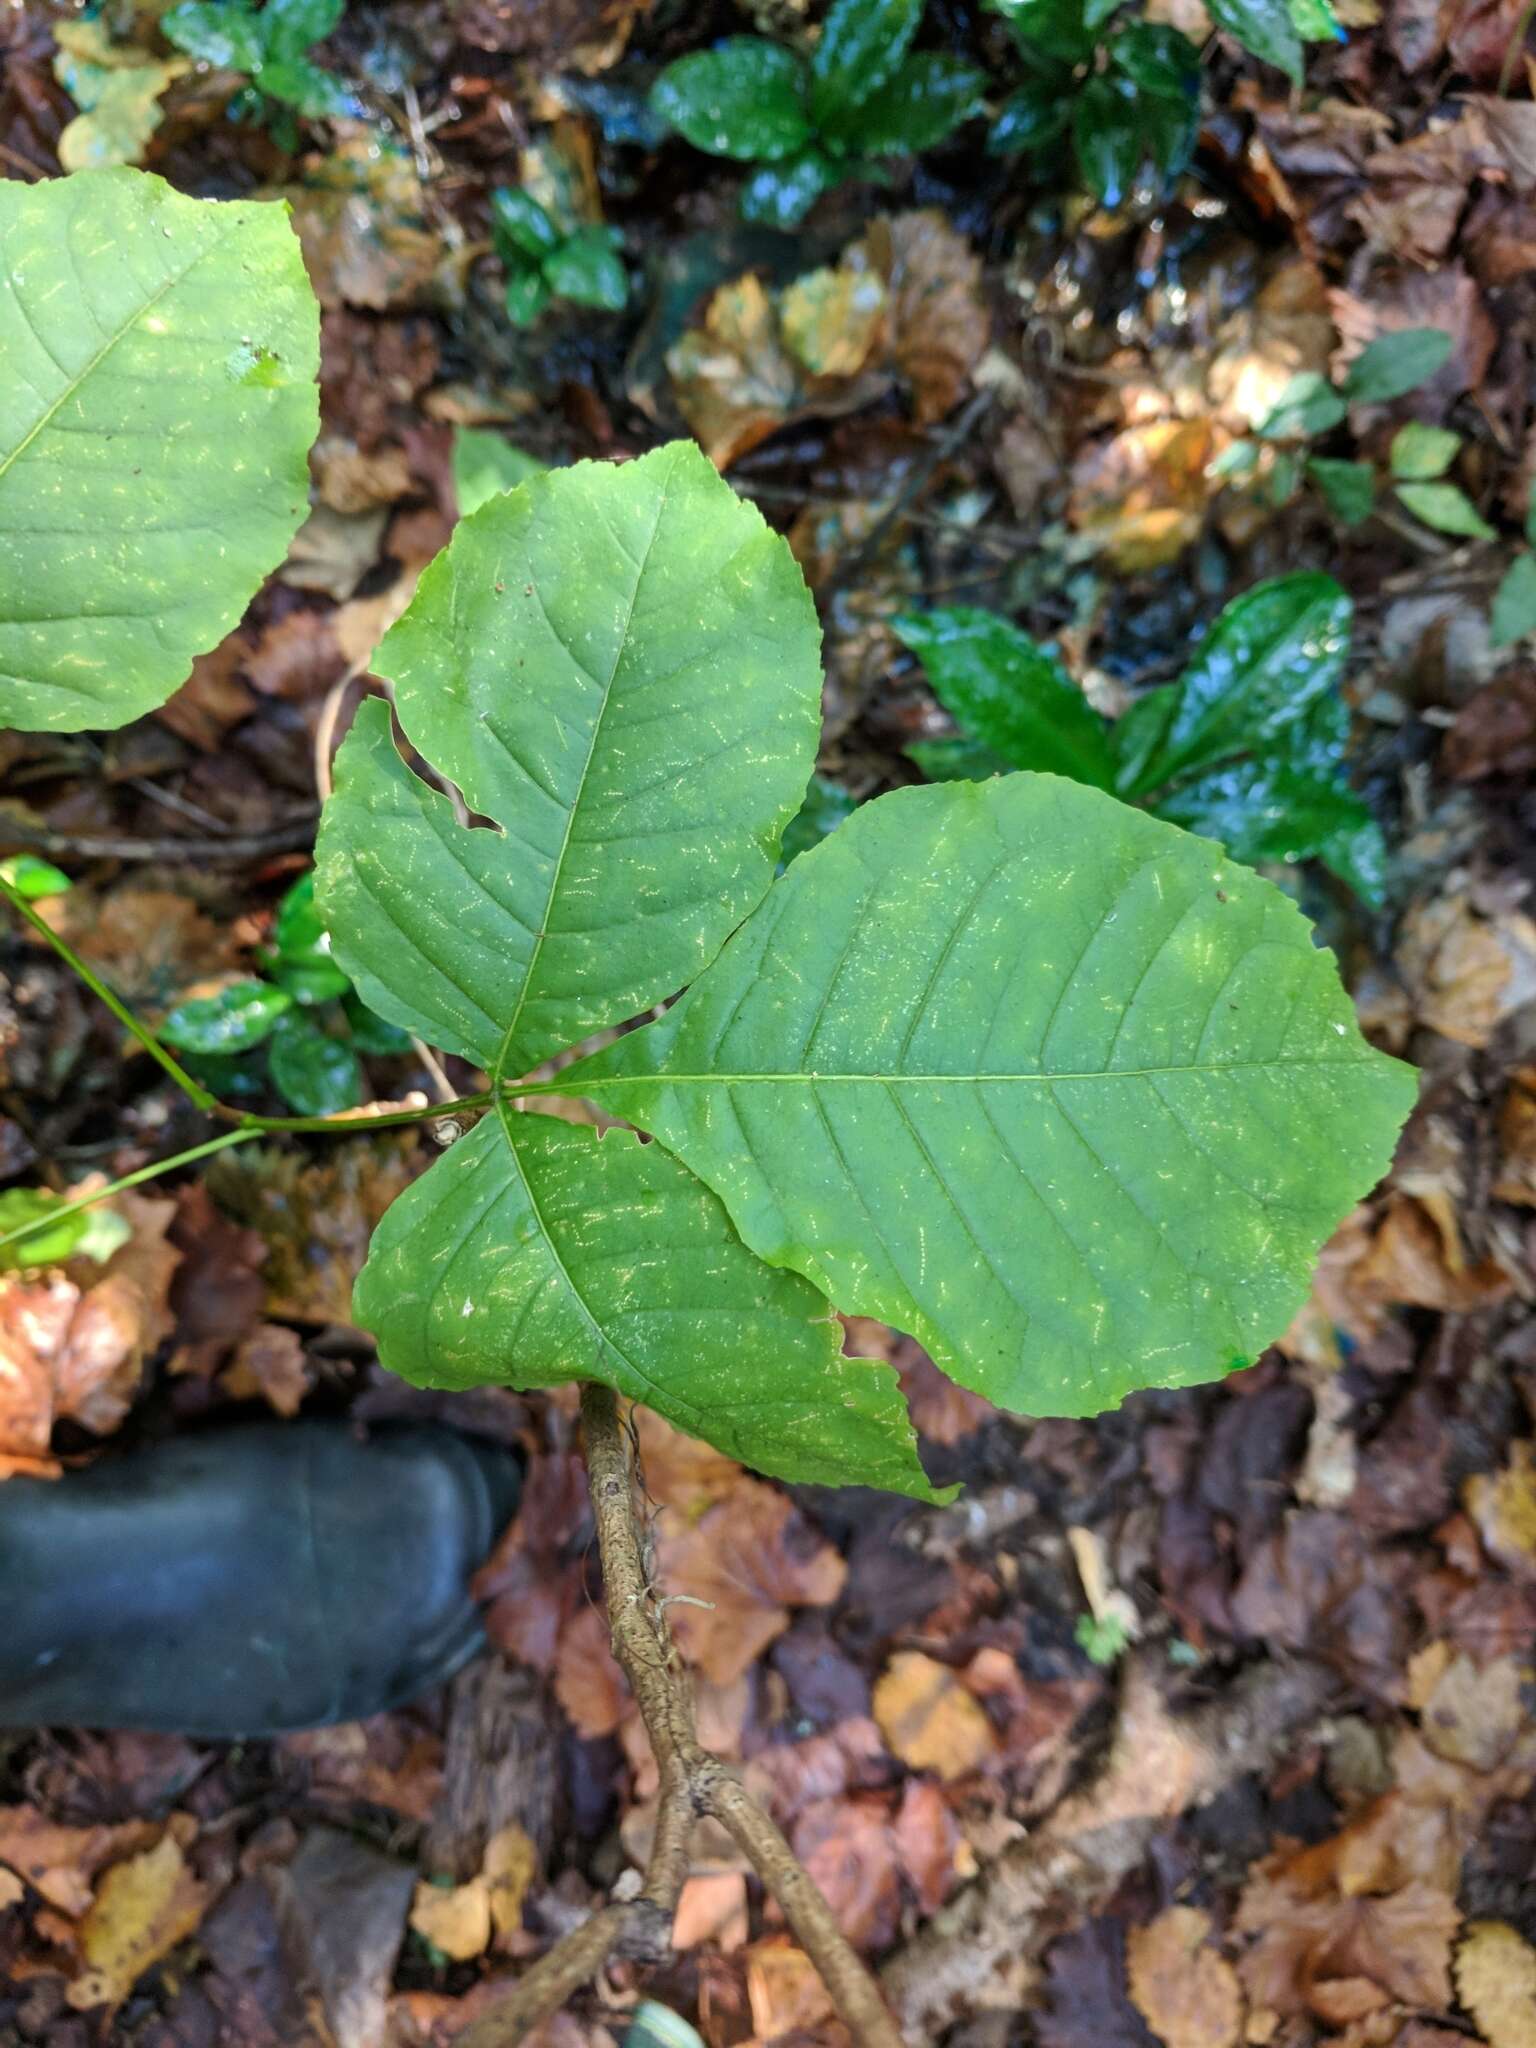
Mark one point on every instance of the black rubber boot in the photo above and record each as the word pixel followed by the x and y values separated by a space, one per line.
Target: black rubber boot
pixel 247 1581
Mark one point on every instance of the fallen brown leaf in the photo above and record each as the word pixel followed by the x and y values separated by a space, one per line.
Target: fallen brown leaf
pixel 60 1863
pixel 712 1909
pixel 929 1719
pixel 588 1681
pixel 1184 1989
pixel 1465 972
pixel 269 1366
pixel 454 1918
pixel 785 1989
pixel 1503 1505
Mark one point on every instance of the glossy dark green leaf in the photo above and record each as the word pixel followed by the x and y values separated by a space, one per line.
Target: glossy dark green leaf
pixel 1447 509
pixel 1421 452
pixel 781 195
pixel 518 216
pixel 1348 487
pixel 526 296
pixel 1033 117
pixel 315 1074
pixel 1170 128
pixel 302 962
pixel 1308 405
pixel 1107 135
pixel 1514 603
pixel 1395 364
pixel 1264 27
pixel 290 27
pixel 1009 692
pixel 1056 28
pixel 744 98
pixel 224 33
pixel 926 100
pixel 955 760
pixel 234 1020
pixel 1271 654
pixel 826 806
pixel 309 89
pixel 1158 58
pixel 372 1033
pixel 588 270
pixel 861 46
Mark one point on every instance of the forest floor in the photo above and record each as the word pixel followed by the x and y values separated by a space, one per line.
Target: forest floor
pixel 1204 1722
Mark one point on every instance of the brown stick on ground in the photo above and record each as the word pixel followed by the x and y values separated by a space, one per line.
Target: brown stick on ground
pixel 694 1784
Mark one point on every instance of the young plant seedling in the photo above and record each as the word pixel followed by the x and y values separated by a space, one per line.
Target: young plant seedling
pixel 547 260
pixel 809 124
pixel 268 45
pixel 1248 746
pixel 1050 1083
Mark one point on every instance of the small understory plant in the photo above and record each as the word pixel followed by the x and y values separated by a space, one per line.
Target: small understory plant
pixel 1248 745
pixel 269 45
pixel 811 123
pixel 546 260
pixel 1044 1080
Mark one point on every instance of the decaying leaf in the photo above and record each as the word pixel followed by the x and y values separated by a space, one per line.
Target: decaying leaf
pixel 929 1719
pixel 1467 972
pixel 1183 1987
pixel 588 1681
pixel 60 1863
pixel 1496 1982
pixel 1503 1505
pixel 359 216
pixel 269 1366
pixel 454 1918
pixel 142 1909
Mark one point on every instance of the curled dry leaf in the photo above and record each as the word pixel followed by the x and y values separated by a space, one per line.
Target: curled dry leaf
pixel 1184 1989
pixel 785 1990
pixel 747 1561
pixel 1496 1982
pixel 1142 495
pixel 142 1909
pixel 454 1918
pixel 938 317
pixel 269 1366
pixel 929 1719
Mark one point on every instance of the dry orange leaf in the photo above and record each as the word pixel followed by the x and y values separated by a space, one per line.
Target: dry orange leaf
pixel 509 1866
pixel 1496 1982
pixel 747 1561
pixel 785 1990
pixel 270 1366
pixel 454 1918
pixel 1466 972
pixel 1187 1993
pixel 712 1908
pixel 928 1718
pixel 142 1909
pixel 61 1863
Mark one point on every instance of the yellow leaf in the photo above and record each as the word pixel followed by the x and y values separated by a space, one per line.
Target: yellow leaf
pixel 510 1864
pixel 456 1920
pixel 928 1718
pixel 1496 1982
pixel 142 1909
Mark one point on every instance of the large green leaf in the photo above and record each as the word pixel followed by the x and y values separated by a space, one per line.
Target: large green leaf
pixel 1036 1077
pixel 744 98
pixel 158 404
pixel 1271 654
pixel 619 666
pixel 1266 27
pixel 1010 692
pixel 861 44
pixel 536 1252
pixel 931 94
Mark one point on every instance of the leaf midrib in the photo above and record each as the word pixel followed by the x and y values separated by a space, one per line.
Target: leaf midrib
pixel 83 375
pixel 563 1084
pixel 499 1072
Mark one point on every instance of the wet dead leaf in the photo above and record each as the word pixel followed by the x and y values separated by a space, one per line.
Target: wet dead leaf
pixel 1466 972
pixel 1142 495
pixel 359 217
pixel 60 1863
pixel 929 1719
pixel 142 1909
pixel 751 1558
pixel 938 316
pixel 1184 1989
pixel 1503 1505
pixel 1496 1982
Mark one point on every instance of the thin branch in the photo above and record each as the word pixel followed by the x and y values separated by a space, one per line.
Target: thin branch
pixel 293 834
pixel 59 1211
pixel 693 1784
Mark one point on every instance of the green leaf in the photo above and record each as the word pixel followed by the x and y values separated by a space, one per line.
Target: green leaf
pixel 484 465
pixel 234 1020
pixel 1264 27
pixel 955 760
pixel 290 27
pixel 1276 810
pixel 1315 21
pixel 1514 603
pixel 1348 487
pixel 370 1032
pixel 1032 1076
pixel 1158 58
pixel 155 418
pixel 518 216
pixel 861 46
pixel 588 269
pixel 304 965
pixel 224 33
pixel 928 98
pixel 1054 28
pixel 309 89
pixel 619 666
pixel 51 1242
pixel 826 805
pixel 526 296
pixel 1447 509
pixel 1033 117
pixel 315 1074
pixel 1308 405
pixel 1420 451
pixel 1017 699
pixel 744 98
pixel 781 195
pixel 1106 133
pixel 34 878
pixel 1395 364
pixel 1271 654
pixel 535 1252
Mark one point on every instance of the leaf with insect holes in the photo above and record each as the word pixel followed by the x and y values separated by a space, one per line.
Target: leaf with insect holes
pixel 1032 1076
pixel 156 413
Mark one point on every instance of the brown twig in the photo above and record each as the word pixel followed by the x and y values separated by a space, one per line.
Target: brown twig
pixel 294 833
pixel 694 1784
